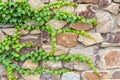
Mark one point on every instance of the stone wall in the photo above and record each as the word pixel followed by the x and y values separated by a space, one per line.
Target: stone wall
pixel 104 49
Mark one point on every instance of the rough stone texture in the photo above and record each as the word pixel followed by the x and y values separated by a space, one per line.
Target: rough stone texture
pixel 59 49
pixel 45 1
pixel 113 37
pixel 106 44
pixel 87 42
pixel 52 65
pixel 35 32
pixel 117 1
pixel 57 24
pixel 86 10
pixel 53 0
pixel 106 22
pixel 89 75
pixel 70 76
pixel 9 31
pixel 81 26
pixel 76 65
pixel 1 35
pixel 113 8
pixel 3 74
pixel 31 77
pixel 104 3
pixel 6 26
pixel 116 75
pixel 66 8
pixel 87 1
pixel 45 37
pixel 29 64
pixel 67 39
pixel 24 32
pixel 118 20
pixel 111 59
pixel 46 76
pixel 30 38
pixel 35 3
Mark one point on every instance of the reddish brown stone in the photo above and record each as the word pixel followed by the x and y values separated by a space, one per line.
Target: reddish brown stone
pixel 67 39
pixel 104 3
pixel 45 37
pixel 81 26
pixel 27 50
pixel 93 76
pixel 112 59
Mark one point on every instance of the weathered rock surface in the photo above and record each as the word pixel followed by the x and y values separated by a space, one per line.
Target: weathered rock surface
pixel 31 77
pixel 35 3
pixel 81 26
pixel 87 1
pixel 45 37
pixel 87 42
pixel 113 8
pixel 59 49
pixel 1 35
pixel 89 75
pixel 106 44
pixel 86 10
pixel 67 39
pixel 118 20
pixel 70 76
pixel 29 64
pixel 57 24
pixel 9 31
pixel 77 65
pixel 111 59
pixel 116 75
pixel 46 76
pixel 52 65
pixel 105 22
pixel 35 32
pixel 24 32
pixel 117 1
pixel 104 3
pixel 113 37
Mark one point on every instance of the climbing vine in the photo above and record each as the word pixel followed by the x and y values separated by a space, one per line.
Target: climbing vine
pixel 20 14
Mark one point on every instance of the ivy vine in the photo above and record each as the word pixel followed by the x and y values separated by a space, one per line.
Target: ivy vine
pixel 19 13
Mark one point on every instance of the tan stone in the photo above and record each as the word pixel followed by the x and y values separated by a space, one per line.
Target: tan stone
pixel 81 26
pixel 87 1
pixel 24 32
pixel 59 49
pixel 35 32
pixel 31 77
pixel 9 31
pixel 89 75
pixel 87 42
pixel 52 65
pixel 111 59
pixel 57 24
pixel 67 39
pixel 1 35
pixel 29 64
pixel 35 3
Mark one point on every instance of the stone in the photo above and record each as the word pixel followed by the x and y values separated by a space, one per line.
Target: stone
pixel 6 26
pixel 29 64
pixel 89 75
pixel 35 3
pixel 24 32
pixel 116 75
pixel 45 1
pixel 53 0
pixel 3 74
pixel 57 24
pixel 59 49
pixel 67 39
pixel 117 1
pixel 118 20
pixel 88 42
pixel 113 37
pixel 31 77
pixel 4 0
pixel 35 32
pixel 113 8
pixel 46 76
pixel 70 76
pixel 111 59
pixel 65 8
pixel 45 37
pixel 86 10
pixel 104 3
pixel 76 65
pixel 87 1
pixel 30 38
pixel 106 22
pixel 106 44
pixel 81 26
pixel 52 65
pixel 1 35
pixel 9 31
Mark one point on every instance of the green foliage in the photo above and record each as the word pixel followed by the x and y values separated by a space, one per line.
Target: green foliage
pixel 20 14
